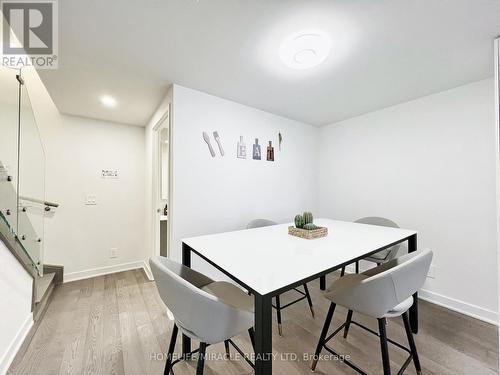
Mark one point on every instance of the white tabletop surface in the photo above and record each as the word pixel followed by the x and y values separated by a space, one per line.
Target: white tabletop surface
pixel 267 259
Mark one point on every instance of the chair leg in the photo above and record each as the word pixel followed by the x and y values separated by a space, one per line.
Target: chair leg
pixel 357 266
pixel 342 273
pixel 226 346
pixel 251 333
pixel 278 313
pixel 411 342
pixel 383 346
pixel 309 300
pixel 171 347
pixel 322 338
pixel 347 323
pixel 201 358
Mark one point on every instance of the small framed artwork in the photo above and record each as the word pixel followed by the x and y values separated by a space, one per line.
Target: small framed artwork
pixel 241 149
pixel 270 152
pixel 256 150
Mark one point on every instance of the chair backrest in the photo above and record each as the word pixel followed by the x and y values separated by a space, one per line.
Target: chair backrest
pixel 198 314
pixel 391 252
pixel 382 288
pixel 408 273
pixel 259 223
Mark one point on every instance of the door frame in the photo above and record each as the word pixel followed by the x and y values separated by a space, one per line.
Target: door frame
pixel 497 154
pixel 156 181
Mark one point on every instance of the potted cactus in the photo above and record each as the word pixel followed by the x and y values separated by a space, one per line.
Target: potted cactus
pixel 299 221
pixel 305 227
pixel 305 221
pixel 308 217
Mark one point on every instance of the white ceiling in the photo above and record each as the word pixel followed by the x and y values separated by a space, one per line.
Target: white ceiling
pixel 384 52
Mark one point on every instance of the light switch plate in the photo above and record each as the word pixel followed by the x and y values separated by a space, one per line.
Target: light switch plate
pixel 90 200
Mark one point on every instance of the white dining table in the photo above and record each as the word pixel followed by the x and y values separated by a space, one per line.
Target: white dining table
pixel 268 261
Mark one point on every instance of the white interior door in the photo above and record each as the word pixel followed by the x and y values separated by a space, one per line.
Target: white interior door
pixel 497 139
pixel 161 186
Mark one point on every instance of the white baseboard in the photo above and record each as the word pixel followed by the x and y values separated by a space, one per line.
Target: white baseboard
pixel 80 275
pixel 147 271
pixel 453 304
pixel 16 343
pixel 460 306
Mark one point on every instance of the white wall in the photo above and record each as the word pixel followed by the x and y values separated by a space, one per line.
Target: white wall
pixel 225 193
pixel 79 237
pixel 15 307
pixel 429 165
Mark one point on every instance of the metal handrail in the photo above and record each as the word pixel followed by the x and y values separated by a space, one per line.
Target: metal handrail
pixel 39 201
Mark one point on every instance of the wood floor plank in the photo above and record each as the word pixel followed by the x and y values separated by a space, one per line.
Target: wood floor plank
pixel 162 325
pixel 41 358
pixel 113 353
pixel 93 360
pixel 73 355
pixel 133 358
pixel 112 324
pixel 145 330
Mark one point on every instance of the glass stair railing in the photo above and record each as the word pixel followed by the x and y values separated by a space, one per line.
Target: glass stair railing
pixel 8 199
pixel 22 169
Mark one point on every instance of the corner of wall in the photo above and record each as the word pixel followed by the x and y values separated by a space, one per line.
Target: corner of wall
pixel 16 291
pixel 15 345
pixel 497 152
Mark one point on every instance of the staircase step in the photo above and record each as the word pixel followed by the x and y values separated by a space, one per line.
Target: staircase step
pixel 42 285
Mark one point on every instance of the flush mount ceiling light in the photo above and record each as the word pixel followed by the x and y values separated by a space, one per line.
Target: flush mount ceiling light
pixel 108 101
pixel 305 49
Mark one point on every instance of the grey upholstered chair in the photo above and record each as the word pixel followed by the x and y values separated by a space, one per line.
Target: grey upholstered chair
pixel 382 292
pixel 384 255
pixel 205 310
pixel 258 223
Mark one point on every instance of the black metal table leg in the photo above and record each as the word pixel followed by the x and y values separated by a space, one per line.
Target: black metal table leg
pixel 263 335
pixel 322 282
pixel 412 247
pixel 186 261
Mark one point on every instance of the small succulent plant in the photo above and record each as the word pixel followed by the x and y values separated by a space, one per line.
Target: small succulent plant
pixel 310 226
pixel 308 217
pixel 305 221
pixel 299 221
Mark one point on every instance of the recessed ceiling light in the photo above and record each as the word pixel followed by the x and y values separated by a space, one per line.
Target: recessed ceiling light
pixel 305 49
pixel 108 101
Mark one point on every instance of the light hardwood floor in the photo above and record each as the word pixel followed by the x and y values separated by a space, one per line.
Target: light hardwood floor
pixel 115 324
